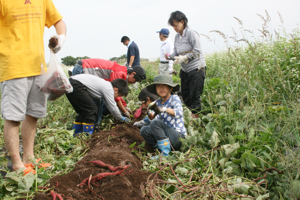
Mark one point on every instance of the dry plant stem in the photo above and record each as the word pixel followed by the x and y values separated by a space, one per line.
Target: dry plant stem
pixel 199 188
pixel 261 177
pixel 192 176
pixel 271 170
pixel 55 145
pixel 219 190
pixel 190 150
pixel 188 159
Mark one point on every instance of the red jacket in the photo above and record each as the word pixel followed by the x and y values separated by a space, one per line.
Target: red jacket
pixel 105 69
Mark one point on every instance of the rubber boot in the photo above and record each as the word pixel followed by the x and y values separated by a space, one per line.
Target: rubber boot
pixel 88 128
pixel 164 147
pixel 77 127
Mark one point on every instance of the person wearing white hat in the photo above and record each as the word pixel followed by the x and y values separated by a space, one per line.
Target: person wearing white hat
pixel 165 66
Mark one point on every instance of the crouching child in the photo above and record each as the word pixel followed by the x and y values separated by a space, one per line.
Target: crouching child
pixel 87 90
pixel 146 98
pixel 167 124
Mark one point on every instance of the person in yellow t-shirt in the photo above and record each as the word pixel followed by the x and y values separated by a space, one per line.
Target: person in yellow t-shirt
pixel 22 24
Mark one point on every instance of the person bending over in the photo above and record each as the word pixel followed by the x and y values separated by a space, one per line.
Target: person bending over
pixel 87 89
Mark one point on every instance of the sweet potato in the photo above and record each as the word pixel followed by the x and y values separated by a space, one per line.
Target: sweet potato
pixel 99 163
pixel 102 175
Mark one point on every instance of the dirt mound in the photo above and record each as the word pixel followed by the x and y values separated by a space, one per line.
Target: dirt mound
pixel 111 147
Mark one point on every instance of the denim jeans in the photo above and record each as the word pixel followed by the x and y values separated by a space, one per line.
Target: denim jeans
pixel 77 69
pixel 100 105
pixel 158 130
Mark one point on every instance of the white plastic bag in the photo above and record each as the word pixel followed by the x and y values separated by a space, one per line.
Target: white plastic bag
pixel 55 82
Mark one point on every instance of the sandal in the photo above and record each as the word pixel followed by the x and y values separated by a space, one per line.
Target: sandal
pixel 28 170
pixel 40 165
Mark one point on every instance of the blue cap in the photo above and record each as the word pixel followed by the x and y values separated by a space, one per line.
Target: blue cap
pixel 164 31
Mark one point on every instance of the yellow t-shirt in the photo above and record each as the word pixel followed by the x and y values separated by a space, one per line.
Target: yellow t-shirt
pixel 22 24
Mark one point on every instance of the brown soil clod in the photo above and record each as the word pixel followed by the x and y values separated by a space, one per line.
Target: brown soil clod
pixel 53 42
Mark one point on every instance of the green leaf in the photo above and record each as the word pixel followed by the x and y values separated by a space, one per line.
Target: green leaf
pixel 209 128
pixel 232 168
pixel 132 145
pixel 10 188
pixel 229 148
pixel 171 189
pixel 222 162
pixel 13 176
pixel 29 181
pixel 251 133
pixel 262 197
pixel 50 139
pixel 231 139
pixel 22 185
pixel 278 189
pixel 214 141
pixel 142 145
pixel 191 139
pixel 240 126
pixel 221 103
pixel 296 187
pixel 240 188
pixel 267 155
pixel 181 170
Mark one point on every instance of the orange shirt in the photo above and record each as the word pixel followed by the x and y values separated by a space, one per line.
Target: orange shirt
pixel 22 24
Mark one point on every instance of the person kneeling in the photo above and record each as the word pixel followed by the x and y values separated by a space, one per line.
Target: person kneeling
pixel 167 124
pixel 87 90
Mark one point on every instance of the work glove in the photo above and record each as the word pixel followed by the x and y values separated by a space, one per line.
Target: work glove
pixel 128 110
pixel 181 59
pixel 157 109
pixel 125 119
pixel 126 114
pixel 169 57
pixel 139 124
pixel 60 42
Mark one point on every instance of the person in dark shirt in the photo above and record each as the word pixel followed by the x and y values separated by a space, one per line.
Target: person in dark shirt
pixel 133 53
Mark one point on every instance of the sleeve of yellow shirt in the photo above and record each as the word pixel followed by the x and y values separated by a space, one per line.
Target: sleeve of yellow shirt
pixel 52 14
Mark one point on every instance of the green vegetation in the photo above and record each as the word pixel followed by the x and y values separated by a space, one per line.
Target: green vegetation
pixel 117 59
pixel 245 145
pixel 70 60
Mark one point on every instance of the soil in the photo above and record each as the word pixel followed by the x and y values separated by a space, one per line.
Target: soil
pixel 52 42
pixel 111 147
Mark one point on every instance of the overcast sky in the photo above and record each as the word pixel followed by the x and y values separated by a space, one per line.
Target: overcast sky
pixel 95 27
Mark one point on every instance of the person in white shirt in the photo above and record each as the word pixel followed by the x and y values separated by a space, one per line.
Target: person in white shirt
pixel 165 66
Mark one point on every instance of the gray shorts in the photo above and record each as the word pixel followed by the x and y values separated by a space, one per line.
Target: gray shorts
pixel 164 68
pixel 22 96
